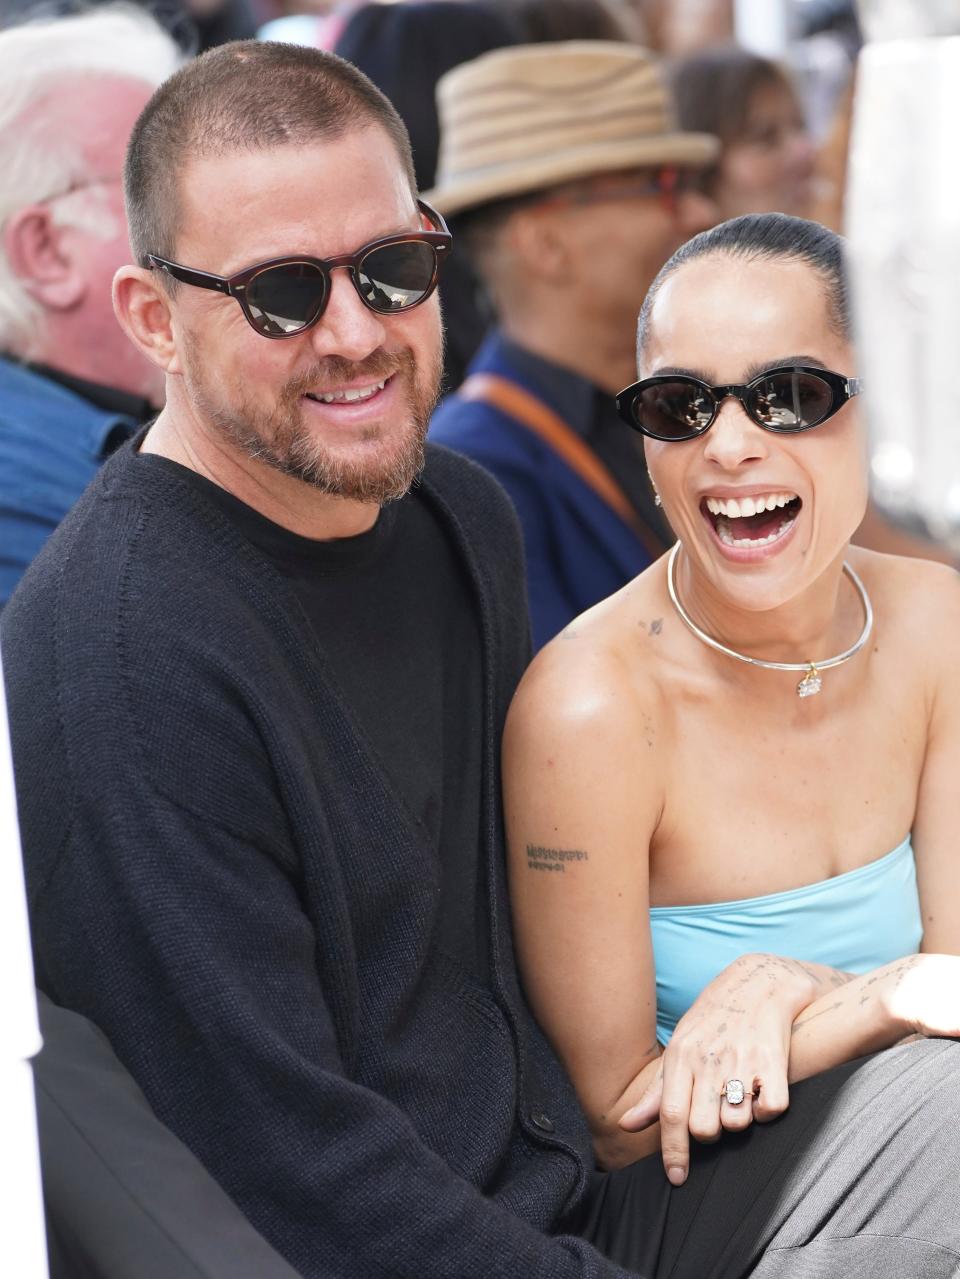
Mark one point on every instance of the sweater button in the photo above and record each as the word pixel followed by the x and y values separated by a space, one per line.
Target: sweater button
pixel 541 1121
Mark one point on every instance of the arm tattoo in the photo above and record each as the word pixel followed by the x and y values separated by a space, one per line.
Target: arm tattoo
pixel 833 978
pixel 898 972
pixel 553 859
pixel 804 1021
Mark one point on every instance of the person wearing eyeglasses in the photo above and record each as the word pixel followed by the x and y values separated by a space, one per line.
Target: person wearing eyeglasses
pixel 565 172
pixel 730 788
pixel 768 157
pixel 72 388
pixel 256 684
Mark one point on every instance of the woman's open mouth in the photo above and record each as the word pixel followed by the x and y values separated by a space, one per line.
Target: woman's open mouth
pixel 748 523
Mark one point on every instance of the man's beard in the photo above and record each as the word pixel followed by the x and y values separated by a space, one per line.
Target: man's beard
pixel 284 441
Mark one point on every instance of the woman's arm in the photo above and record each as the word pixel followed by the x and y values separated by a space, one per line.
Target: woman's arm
pixel 914 995
pixel 918 993
pixel 735 1030
pixel 582 788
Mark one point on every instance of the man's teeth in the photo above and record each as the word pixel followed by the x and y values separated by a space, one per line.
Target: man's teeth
pixel 735 509
pixel 345 396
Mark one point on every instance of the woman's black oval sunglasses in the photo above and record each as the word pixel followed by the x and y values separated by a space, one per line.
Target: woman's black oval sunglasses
pixel 285 296
pixel 794 397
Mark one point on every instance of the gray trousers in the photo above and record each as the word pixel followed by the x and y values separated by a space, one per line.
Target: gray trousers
pixel 860 1177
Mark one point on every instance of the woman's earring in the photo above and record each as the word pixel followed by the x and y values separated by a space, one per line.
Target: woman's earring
pixel 656 495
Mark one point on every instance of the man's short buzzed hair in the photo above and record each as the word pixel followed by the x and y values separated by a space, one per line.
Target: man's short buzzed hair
pixel 244 96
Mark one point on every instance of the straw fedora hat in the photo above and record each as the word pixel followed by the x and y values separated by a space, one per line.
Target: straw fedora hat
pixel 529 117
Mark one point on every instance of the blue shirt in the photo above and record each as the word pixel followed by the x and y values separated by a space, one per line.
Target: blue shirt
pixel 578 550
pixel 52 441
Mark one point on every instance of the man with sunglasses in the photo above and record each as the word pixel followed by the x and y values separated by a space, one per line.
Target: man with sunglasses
pixel 568 219
pixel 71 386
pixel 256 684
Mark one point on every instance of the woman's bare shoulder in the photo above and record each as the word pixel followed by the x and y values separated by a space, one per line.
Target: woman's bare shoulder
pixel 907 590
pixel 601 672
pixel 916 606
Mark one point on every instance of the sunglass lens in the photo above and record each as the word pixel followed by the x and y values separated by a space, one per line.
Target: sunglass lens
pixel 285 299
pixel 673 410
pixel 792 401
pixel 397 276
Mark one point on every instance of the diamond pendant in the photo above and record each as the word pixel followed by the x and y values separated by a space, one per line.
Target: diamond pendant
pixel 811 683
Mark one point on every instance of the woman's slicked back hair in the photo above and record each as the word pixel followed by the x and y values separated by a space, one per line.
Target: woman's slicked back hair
pixel 772 237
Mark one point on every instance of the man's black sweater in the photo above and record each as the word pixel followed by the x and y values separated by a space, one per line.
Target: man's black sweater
pixel 222 876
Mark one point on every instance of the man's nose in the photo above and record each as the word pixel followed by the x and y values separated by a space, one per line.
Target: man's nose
pixel 348 327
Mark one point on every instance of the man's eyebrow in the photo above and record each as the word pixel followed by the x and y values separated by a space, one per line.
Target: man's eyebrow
pixel 752 371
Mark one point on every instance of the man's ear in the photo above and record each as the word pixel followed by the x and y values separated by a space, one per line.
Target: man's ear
pixel 540 240
pixel 36 250
pixel 142 307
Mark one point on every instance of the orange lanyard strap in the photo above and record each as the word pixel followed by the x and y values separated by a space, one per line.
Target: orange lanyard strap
pixel 531 412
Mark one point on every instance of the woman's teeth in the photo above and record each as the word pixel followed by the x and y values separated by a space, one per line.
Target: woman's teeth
pixel 734 508
pixel 766 516
pixel 728 539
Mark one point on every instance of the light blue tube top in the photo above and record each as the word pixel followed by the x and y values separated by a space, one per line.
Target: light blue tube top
pixel 855 922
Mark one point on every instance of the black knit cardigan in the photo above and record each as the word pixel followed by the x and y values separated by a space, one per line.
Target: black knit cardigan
pixel 223 879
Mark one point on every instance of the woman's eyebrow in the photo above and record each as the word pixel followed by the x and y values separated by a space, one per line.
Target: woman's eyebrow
pixel 676 370
pixel 752 371
pixel 764 366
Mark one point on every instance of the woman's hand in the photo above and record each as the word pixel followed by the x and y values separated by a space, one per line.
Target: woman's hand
pixel 738 1029
pixel 760 1023
pixel 922 993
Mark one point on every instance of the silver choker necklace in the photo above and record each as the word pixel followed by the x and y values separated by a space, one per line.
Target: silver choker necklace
pixel 811 682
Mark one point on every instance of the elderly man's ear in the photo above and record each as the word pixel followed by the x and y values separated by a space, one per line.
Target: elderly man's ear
pixel 40 256
pixel 142 308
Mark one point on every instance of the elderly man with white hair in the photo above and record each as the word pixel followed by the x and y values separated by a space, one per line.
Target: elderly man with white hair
pixel 71 385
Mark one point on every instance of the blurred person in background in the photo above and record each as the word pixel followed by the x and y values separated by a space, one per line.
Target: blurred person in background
pixel 538 21
pixel 750 103
pixel 72 387
pixel 406 48
pixel 195 24
pixel 317 24
pixel 572 172
pixel 677 27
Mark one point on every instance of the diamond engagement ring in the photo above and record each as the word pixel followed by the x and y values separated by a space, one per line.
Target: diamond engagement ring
pixel 734 1091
